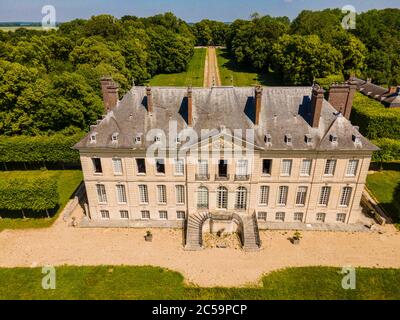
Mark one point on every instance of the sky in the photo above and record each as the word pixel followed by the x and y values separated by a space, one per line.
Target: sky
pixel 189 10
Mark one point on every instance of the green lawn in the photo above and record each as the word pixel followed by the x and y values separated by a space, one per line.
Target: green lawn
pixel 194 76
pixel 155 283
pixel 385 185
pixel 242 76
pixel 68 181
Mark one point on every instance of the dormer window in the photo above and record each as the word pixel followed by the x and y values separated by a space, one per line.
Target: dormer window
pixel 357 139
pixel 157 139
pixel 308 139
pixel 114 137
pixel 93 138
pixel 334 138
pixel 268 139
pixel 138 139
pixel 288 139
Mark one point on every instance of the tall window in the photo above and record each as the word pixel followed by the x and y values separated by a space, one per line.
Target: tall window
pixel 117 165
pixel 163 215
pixel 330 167
pixel 298 216
pixel 162 194
pixel 321 217
pixel 124 214
pixel 145 215
pixel 203 168
pixel 223 168
pixel 306 168
pixel 242 168
pixel 341 217
pixel 143 194
pixel 141 166
pixel 202 198
pixel 105 214
pixel 262 216
pixel 324 196
pixel 267 167
pixel 222 198
pixel 264 195
pixel 101 193
pixel 286 168
pixel 180 194
pixel 280 216
pixel 97 165
pixel 301 196
pixel 352 167
pixel 345 196
pixel 241 198
pixel 282 196
pixel 121 193
pixel 160 166
pixel 181 215
pixel 179 167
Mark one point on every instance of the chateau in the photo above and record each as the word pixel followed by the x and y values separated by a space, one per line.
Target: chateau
pixel 299 159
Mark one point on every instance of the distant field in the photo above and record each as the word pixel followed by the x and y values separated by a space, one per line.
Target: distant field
pixel 241 76
pixel 193 76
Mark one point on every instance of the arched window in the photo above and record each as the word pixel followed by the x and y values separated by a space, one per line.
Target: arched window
pixel 222 198
pixel 241 198
pixel 202 198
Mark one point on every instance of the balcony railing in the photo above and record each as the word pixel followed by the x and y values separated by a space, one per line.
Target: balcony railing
pixel 242 177
pixel 202 206
pixel 202 177
pixel 222 178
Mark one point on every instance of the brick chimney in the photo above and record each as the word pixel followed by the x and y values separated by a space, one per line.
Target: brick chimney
pixel 190 106
pixel 149 95
pixel 317 100
pixel 258 97
pixel 341 97
pixel 109 90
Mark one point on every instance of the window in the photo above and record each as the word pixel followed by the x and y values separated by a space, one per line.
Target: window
pixel 93 138
pixel 143 194
pixel 222 198
pixel 321 217
pixel 352 167
pixel 138 139
pixel 163 215
pixel 114 137
pixel 180 194
pixel 282 196
pixel 121 193
pixel 262 216
pixel 345 197
pixel 202 198
pixel 333 138
pixel 264 195
pixel 305 170
pixel 146 215
pixel 301 196
pixel 242 168
pixel 105 214
pixel 179 167
pixel 124 214
pixel 357 139
pixel 101 193
pixel 268 139
pixel 308 139
pixel 203 168
pixel 280 216
pixel 341 217
pixel 223 168
pixel 117 165
pixel 97 165
pixel 288 139
pixel 160 166
pixel 141 166
pixel 162 194
pixel 298 216
pixel 267 165
pixel 330 167
pixel 324 196
pixel 181 215
pixel 286 168
pixel 241 198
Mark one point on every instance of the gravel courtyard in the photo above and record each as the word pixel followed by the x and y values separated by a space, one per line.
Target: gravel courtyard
pixel 63 245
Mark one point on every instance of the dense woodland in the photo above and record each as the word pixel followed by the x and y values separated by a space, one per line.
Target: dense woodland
pixel 49 81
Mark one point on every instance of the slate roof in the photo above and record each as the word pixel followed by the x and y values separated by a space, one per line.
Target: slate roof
pixel 284 111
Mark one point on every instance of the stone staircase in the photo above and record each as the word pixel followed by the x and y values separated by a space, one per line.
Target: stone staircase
pixel 250 234
pixel 194 231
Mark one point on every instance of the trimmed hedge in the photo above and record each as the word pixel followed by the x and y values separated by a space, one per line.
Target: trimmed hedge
pixel 390 150
pixel 56 148
pixel 28 193
pixel 375 121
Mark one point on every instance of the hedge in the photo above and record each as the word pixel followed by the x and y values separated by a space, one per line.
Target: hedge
pixel 28 193
pixel 390 150
pixel 56 148
pixel 375 121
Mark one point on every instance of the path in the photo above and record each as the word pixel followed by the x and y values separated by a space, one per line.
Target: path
pixel 61 245
pixel 211 72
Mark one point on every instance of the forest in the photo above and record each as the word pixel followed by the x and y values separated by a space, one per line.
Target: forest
pixel 49 80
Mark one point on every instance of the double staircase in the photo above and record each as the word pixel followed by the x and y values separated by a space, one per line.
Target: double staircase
pixel 249 232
